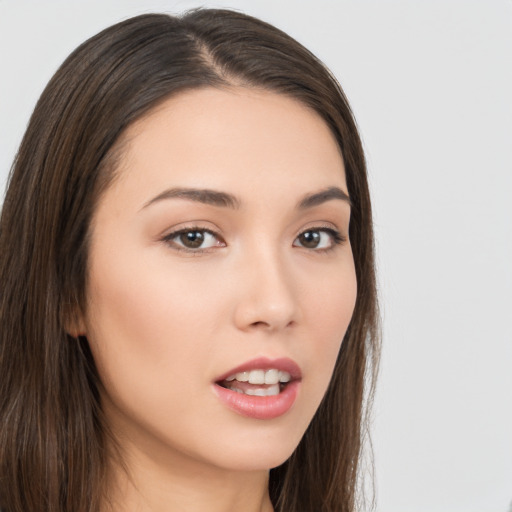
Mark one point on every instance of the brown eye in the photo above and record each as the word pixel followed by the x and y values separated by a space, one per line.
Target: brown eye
pixel 319 239
pixel 192 239
pixel 309 239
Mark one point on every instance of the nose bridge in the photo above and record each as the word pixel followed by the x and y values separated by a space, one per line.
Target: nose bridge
pixel 267 299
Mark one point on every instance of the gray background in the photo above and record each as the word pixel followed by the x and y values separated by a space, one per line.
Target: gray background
pixel 430 85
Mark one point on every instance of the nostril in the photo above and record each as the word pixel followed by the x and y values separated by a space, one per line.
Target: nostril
pixel 260 324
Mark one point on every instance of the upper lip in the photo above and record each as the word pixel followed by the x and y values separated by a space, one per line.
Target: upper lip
pixel 283 364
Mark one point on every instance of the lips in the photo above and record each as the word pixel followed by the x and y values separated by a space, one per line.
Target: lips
pixel 261 389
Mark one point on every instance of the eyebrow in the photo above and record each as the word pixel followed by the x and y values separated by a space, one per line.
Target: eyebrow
pixel 318 198
pixel 226 200
pixel 205 196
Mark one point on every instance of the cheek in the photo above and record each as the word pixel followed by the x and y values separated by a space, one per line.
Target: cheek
pixel 148 344
pixel 329 313
pixel 143 333
pixel 331 298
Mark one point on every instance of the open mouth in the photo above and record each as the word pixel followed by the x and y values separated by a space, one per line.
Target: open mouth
pixel 262 389
pixel 257 382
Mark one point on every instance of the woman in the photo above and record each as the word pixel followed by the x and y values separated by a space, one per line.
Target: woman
pixel 188 311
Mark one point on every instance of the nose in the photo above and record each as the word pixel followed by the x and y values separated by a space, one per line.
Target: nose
pixel 267 299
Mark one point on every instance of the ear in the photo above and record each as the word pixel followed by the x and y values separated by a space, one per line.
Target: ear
pixel 73 321
pixel 76 329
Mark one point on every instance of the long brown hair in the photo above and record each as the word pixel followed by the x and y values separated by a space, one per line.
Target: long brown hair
pixel 53 435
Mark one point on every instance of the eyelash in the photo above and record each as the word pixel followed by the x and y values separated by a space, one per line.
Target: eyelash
pixel 336 238
pixel 169 239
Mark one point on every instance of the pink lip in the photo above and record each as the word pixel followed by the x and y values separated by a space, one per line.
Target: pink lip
pixel 261 407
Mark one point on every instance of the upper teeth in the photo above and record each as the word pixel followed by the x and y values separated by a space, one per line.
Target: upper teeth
pixel 272 376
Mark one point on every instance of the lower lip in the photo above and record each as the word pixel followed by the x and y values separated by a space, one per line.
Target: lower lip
pixel 259 407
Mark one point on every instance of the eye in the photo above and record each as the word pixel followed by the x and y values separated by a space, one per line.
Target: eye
pixel 319 238
pixel 194 239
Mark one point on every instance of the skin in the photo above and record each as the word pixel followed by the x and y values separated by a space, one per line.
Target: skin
pixel 164 322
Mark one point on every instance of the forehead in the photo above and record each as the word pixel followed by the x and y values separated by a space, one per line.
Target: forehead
pixel 233 139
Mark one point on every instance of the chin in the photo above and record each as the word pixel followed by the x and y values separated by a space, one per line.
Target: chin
pixel 256 453
pixel 250 462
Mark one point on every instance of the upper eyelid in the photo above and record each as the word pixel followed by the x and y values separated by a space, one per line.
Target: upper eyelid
pixel 322 226
pixel 334 223
pixel 334 232
pixel 199 226
pixel 185 230
pixel 177 232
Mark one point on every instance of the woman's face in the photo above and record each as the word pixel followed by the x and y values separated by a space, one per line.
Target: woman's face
pixel 220 250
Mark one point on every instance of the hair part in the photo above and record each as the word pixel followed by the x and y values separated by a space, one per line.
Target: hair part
pixel 53 436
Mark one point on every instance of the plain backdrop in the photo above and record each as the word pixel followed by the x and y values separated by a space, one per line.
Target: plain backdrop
pixel 430 85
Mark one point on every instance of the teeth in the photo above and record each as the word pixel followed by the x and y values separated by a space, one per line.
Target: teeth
pixel 257 377
pixel 273 390
pixel 271 376
pixel 270 391
pixel 284 377
pixel 242 376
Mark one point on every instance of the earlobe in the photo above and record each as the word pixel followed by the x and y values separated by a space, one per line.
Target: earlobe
pixel 75 331
pixel 74 323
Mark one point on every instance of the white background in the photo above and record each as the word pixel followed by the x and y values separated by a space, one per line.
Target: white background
pixel 430 84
